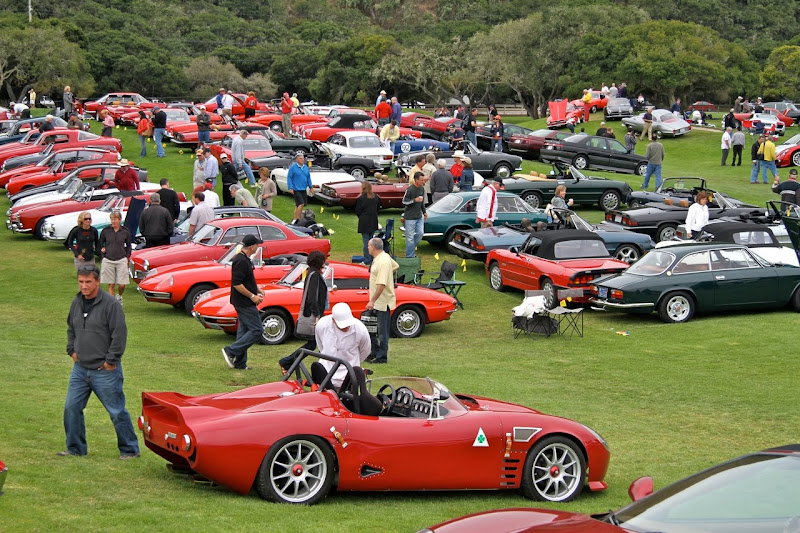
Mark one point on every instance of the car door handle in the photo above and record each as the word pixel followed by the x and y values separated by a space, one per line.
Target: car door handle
pixel 720 277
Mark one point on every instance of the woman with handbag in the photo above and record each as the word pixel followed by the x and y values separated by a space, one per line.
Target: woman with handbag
pixel 108 123
pixel 367 206
pixel 266 189
pixel 314 303
pixel 145 130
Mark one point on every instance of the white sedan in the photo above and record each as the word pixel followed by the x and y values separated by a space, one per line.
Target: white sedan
pixel 361 144
pixel 318 178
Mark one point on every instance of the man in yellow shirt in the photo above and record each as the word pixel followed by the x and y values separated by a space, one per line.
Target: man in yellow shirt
pixel 768 151
pixel 587 104
pixel 381 298
pixel 390 133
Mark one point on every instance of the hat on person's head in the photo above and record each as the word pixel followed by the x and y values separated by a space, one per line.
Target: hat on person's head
pixel 793 174
pixel 250 240
pixel 342 315
pixel 383 92
pixel 223 156
pixel 199 151
pixel 124 163
pixel 459 154
pixel 467 160
pixel 221 89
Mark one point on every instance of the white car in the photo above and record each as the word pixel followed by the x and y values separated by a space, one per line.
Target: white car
pixel 361 144
pixel 318 178
pixel 768 120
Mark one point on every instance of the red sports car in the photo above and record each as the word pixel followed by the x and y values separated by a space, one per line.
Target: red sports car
pixel 62 137
pixel 531 145
pixel 416 306
pixel 701 105
pixel 434 128
pixel 275 120
pixel 347 121
pixel 211 241
pixel 787 154
pixel 346 193
pixel 553 260
pixel 61 164
pixel 561 111
pixel 183 283
pixel 70 157
pixel 786 119
pixel 116 100
pixel 293 443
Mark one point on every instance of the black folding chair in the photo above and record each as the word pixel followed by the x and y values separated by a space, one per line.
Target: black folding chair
pixel 447 273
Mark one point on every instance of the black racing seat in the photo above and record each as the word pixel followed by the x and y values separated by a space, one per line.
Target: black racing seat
pixel 364 402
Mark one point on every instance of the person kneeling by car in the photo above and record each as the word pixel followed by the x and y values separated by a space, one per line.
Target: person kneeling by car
pixel 342 335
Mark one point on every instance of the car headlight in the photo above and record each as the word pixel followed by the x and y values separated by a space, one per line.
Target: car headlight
pixel 598 437
pixel 166 283
pixel 146 265
pixel 151 273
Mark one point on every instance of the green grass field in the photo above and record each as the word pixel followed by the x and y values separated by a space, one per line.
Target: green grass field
pixel 670 399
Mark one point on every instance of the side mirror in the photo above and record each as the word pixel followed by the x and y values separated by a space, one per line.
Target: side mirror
pixel 641 488
pixel 514 250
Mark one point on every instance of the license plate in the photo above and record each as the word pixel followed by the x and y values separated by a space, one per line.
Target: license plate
pixel 602 292
pixel 617 218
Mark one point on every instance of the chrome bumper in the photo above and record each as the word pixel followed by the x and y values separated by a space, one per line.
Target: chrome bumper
pixel 212 322
pixel 614 305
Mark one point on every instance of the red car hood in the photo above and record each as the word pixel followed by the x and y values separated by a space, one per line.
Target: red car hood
pixel 177 253
pixel 523 519
pixel 501 407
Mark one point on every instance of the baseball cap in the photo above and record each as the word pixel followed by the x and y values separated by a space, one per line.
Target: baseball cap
pixel 223 156
pixel 342 315
pixel 250 240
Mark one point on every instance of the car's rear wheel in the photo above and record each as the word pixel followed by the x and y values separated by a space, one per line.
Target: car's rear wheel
pixel 659 134
pixel 796 157
pixel 635 204
pixel 594 109
pixel 795 301
pixel 666 232
pixel 38 229
pixel 358 172
pixel 448 238
pixel 276 126
pixel 628 253
pixel 298 469
pixel 580 161
pixel 555 471
pixel 533 198
pixel 502 170
pixel 277 326
pixel 194 294
pixel 641 169
pixel 408 321
pixel 496 277
pixel 549 292
pixel 610 200
pixel 676 307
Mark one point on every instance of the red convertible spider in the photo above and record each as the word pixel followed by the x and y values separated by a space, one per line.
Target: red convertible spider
pixel 346 193
pixel 293 443
pixel 347 121
pixel 211 241
pixel 549 261
pixel 274 120
pixel 58 166
pixel 787 153
pixel 256 146
pixel 416 306
pixel 434 128
pixel 183 283
pixel 62 137
pixel 125 100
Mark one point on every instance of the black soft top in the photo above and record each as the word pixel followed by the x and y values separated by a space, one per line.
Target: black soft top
pixel 727 232
pixel 543 244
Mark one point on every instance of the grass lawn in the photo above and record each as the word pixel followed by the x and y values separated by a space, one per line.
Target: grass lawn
pixel 670 399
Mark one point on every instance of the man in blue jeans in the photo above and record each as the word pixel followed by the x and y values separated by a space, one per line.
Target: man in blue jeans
pixel 415 214
pixel 245 298
pixel 159 128
pixel 655 157
pixel 237 157
pixel 381 298
pixel 96 338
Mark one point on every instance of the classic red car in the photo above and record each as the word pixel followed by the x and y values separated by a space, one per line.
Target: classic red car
pixel 255 146
pixel 132 118
pixel 787 153
pixel 53 157
pixel 701 105
pixel 60 136
pixel 116 99
pixel 294 444
pixel 346 193
pixel 61 164
pixel 238 105
pixel 347 121
pixel 211 241
pixel 275 120
pixel 551 261
pixel 182 284
pixel 561 111
pixel 786 119
pixel 434 128
pixel 532 144
pixel 416 306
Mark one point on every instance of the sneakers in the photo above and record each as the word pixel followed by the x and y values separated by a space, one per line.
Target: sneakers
pixel 126 456
pixel 227 358
pixel 119 299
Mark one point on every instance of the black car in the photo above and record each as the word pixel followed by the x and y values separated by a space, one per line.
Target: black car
pixel 591 151
pixel 322 158
pixel 661 220
pixel 678 189
pixel 483 135
pixel 22 127
pixel 618 108
pixel 486 163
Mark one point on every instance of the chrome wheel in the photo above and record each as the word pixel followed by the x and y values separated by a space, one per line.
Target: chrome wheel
pixel 677 308
pixel 534 199
pixel 628 253
pixel 580 162
pixel 610 200
pixel 502 171
pixel 358 173
pixel 276 327
pixel 407 322
pixel 496 277
pixel 297 472
pixel 667 233
pixel 557 472
pixel 549 293
pixel 796 158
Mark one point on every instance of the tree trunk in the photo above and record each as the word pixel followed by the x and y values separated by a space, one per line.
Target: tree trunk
pixel 10 91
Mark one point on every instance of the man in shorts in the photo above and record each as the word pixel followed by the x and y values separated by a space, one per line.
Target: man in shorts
pixel 115 249
pixel 299 183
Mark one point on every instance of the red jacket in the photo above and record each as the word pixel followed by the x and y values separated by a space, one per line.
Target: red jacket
pixel 127 180
pixel 383 110
pixel 251 102
pixel 143 125
pixel 286 105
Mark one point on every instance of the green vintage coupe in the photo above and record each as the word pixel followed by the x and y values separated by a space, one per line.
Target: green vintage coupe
pixel 457 211
pixel 538 189
pixel 682 280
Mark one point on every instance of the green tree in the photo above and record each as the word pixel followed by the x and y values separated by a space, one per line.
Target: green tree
pixel 780 76
pixel 205 75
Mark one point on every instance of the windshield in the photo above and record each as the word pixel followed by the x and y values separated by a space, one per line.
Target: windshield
pixel 422 389
pixel 365 141
pixel 207 235
pixel 257 143
pixel 652 264
pixel 756 493
pixel 619 102
pixel 46 161
pixel 72 187
pixel 113 203
pixel 791 141
pixel 447 204
pixel 229 255
pixel 176 114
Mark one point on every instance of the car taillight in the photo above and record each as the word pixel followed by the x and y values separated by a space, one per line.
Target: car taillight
pixel 582 279
pixel 140 422
pixel 594 289
pixel 615 294
pixel 479 246
pixel 628 222
pixel 387 158
pixel 609 216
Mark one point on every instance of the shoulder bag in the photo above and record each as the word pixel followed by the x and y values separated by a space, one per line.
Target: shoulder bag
pixel 305 324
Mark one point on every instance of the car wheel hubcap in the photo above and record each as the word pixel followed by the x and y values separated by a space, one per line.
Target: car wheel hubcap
pixel 357 173
pixel 796 159
pixel 556 472
pixel 627 254
pixel 274 327
pixel 503 172
pixel 667 234
pixel 407 323
pixel 678 308
pixel 298 471
pixel 495 278
pixel 532 200
pixel 610 202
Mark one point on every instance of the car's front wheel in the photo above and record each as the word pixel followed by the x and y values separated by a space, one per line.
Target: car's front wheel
pixel 298 469
pixel 580 161
pixel 628 253
pixel 610 200
pixel 194 294
pixel 533 198
pixel 549 292
pixel 676 307
pixel 635 204
pixel 796 158
pixel 641 169
pixel 503 170
pixel 358 172
pixel 408 322
pixel 666 232
pixel 496 278
pixel 555 470
pixel 277 326
pixel 276 126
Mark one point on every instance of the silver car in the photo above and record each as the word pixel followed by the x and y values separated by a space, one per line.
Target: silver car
pixel 665 124
pixel 618 108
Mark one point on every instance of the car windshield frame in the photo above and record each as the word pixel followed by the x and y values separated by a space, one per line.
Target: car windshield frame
pixel 363 141
pixel 257 143
pixel 650 264
pixel 204 235
pixel 426 388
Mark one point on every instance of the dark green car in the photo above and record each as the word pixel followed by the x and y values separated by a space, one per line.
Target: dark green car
pixel 682 280
pixel 582 189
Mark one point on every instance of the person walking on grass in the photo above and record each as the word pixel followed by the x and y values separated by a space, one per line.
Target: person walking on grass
pixel 757 156
pixel 737 142
pixel 83 241
pixel 367 207
pixel 298 179
pixel 115 248
pixel 414 215
pixel 144 129
pixel 655 158
pixel 726 144
pixel 96 339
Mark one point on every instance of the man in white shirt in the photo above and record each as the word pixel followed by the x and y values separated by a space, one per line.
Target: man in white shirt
pixel 486 210
pixel 227 104
pixel 212 198
pixel 201 214
pixel 726 144
pixel 342 335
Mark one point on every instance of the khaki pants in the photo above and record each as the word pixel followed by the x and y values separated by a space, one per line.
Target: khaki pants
pixel 647 130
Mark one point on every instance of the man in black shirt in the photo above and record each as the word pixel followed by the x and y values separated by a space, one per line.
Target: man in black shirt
pixel 169 199
pixel 789 190
pixel 159 128
pixel 245 298
pixel 156 223
pixel 229 177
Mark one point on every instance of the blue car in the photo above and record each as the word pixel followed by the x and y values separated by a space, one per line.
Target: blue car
pixel 419 145
pixel 622 244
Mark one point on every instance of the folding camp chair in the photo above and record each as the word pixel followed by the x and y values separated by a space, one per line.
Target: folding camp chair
pixel 409 271
pixel 387 236
pixel 570 320
pixel 446 280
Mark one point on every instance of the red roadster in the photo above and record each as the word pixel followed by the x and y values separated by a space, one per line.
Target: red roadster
pixel 344 122
pixel 62 137
pixel 349 283
pixel 346 193
pixel 434 128
pixel 293 444
pixel 57 167
pixel 211 241
pixel 552 260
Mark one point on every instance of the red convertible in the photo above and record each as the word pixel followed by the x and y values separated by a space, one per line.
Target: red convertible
pixel 275 123
pixel 416 306
pixel 344 122
pixel 346 193
pixel 62 137
pixel 293 443
pixel 182 284
pixel 57 166
pixel 212 240
pixel 553 260
pixel 116 100
pixel 256 146
pixel 435 128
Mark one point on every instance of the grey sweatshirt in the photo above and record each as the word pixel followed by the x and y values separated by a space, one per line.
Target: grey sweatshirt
pixel 101 335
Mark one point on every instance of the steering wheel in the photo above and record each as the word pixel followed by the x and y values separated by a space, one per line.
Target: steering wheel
pixel 387 400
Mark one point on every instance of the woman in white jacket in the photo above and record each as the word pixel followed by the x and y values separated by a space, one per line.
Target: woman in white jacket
pixel 697 217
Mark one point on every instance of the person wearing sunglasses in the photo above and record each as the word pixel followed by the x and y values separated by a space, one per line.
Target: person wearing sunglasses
pixel 83 241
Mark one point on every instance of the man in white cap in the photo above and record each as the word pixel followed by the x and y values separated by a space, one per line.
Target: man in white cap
pixel 486 208
pixel 342 335
pixel 381 96
pixel 126 178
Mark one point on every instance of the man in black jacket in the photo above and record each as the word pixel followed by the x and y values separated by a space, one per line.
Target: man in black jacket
pixel 96 338
pixel 156 223
pixel 169 199
pixel 159 128
pixel 229 177
pixel 245 298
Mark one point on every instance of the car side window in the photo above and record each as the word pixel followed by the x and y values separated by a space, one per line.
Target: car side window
pixel 469 207
pixel 507 205
pixel 236 234
pixel 521 205
pixel 616 146
pixel 696 262
pixel 731 259
pixel 599 144
pixel 270 233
